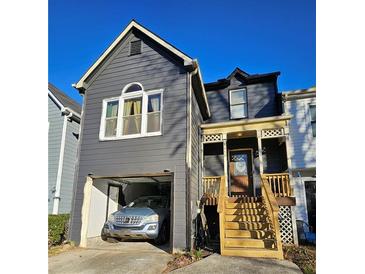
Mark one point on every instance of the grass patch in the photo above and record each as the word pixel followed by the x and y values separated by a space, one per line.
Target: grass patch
pixel 303 256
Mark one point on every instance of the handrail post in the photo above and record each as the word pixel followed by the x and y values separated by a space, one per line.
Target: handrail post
pixel 221 210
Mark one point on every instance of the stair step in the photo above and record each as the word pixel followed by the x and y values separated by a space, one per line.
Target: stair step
pixel 252 252
pixel 242 242
pixel 256 205
pixel 243 199
pixel 246 218
pixel 245 211
pixel 247 225
pixel 254 234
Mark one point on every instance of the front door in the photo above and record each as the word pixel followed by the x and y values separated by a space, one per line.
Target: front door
pixel 240 172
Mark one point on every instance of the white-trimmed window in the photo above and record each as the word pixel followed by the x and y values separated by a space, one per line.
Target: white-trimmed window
pixel 136 113
pixel 238 103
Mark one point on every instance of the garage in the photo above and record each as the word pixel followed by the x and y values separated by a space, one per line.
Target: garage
pixel 133 208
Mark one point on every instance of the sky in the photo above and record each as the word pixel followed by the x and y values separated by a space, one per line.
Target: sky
pixel 258 36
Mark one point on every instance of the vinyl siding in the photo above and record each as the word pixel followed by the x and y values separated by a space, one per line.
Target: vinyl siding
pixel 195 174
pixel 55 125
pixel 261 98
pixel 68 171
pixel 274 156
pixel 213 160
pixel 302 142
pixel 154 69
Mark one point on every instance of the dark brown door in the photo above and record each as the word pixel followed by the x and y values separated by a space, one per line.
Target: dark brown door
pixel 240 172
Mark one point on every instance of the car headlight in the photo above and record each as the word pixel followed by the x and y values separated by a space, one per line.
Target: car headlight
pixel 111 218
pixel 151 218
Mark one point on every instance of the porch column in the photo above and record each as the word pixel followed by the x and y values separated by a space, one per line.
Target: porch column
pixel 288 152
pixel 259 146
pixel 225 158
pixel 85 211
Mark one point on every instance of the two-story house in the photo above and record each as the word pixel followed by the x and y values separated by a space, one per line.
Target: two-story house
pixel 63 132
pixel 150 125
pixel 301 104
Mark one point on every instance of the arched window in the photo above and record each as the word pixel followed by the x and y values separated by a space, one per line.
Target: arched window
pixel 136 113
pixel 132 87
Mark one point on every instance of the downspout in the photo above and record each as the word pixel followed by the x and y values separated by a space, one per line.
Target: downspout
pixel 57 197
pixel 188 162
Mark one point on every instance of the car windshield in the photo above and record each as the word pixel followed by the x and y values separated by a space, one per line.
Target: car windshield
pixel 150 201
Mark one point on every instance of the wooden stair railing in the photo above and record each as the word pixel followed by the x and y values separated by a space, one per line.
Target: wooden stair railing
pixel 273 211
pixel 221 211
pixel 249 226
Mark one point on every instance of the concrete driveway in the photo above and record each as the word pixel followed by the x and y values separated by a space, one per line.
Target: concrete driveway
pixel 217 264
pixel 103 257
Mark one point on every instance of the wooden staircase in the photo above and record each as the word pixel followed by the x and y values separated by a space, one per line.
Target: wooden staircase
pixel 249 226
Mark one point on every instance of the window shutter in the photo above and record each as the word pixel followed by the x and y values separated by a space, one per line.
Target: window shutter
pixel 136 47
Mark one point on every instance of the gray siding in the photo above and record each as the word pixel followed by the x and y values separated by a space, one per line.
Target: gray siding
pixel 153 69
pixel 55 124
pixel 213 159
pixel 261 99
pixel 195 173
pixel 303 144
pixel 274 156
pixel 68 170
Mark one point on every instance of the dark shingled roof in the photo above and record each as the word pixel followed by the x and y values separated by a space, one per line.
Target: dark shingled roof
pixel 65 100
pixel 249 78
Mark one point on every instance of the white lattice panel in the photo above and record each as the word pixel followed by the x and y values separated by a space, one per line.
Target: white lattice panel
pixel 271 133
pixel 286 225
pixel 211 138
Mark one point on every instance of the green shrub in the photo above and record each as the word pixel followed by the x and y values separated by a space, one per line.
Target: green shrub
pixel 57 228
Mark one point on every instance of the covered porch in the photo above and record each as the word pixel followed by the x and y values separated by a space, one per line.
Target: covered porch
pixel 244 152
pixel 247 164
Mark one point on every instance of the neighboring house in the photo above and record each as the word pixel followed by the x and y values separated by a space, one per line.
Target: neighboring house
pixel 301 104
pixel 63 132
pixel 151 126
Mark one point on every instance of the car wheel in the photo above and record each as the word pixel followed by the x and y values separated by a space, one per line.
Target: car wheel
pixel 104 237
pixel 162 235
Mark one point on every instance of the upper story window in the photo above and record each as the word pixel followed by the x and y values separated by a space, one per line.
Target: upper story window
pixel 136 113
pixel 135 47
pixel 312 109
pixel 238 103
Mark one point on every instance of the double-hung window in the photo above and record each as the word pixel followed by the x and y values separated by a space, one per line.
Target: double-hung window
pixel 136 113
pixel 312 110
pixel 111 117
pixel 238 103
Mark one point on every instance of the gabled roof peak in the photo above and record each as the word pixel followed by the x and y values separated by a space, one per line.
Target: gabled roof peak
pixel 237 70
pixel 81 84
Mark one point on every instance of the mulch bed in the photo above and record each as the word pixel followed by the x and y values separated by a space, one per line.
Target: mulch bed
pixel 183 259
pixel 303 256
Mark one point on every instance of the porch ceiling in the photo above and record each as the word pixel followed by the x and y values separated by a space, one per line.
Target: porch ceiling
pixel 247 125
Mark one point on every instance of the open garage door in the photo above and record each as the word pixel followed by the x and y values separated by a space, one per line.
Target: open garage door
pixel 131 208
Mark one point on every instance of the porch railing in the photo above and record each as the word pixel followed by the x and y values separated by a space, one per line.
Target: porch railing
pixel 211 185
pixel 279 184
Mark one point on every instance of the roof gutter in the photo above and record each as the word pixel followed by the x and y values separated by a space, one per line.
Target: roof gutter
pixel 196 72
pixel 65 110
